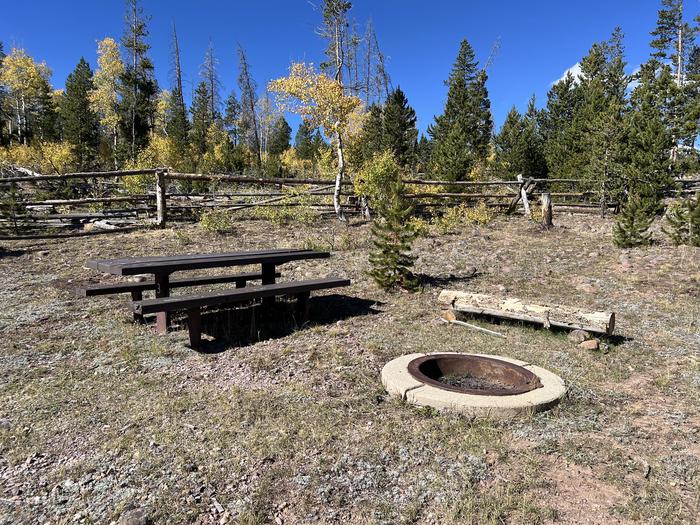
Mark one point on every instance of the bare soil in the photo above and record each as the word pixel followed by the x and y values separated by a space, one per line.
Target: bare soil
pixel 104 421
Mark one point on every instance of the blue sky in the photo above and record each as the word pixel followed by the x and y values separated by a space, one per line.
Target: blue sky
pixel 540 39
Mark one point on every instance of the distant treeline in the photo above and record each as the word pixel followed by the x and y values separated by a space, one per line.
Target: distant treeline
pixel 628 134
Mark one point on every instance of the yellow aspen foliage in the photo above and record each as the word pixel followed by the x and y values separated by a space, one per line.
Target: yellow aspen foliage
pixel 214 159
pixel 22 75
pixel 161 116
pixel 316 97
pixel 104 97
pixel 293 163
pixel 47 158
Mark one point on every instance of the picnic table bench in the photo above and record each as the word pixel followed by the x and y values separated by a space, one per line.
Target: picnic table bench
pixel 162 267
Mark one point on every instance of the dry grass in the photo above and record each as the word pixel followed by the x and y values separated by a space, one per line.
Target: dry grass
pixel 99 416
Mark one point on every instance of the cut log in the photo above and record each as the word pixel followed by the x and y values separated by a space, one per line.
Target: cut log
pixel 514 309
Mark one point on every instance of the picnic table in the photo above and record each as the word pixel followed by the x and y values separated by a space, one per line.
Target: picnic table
pixel 162 267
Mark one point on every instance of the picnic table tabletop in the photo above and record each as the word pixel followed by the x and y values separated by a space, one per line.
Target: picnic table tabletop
pixel 173 263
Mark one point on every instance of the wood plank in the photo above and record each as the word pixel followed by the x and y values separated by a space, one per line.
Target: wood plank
pixel 515 309
pixel 187 302
pixel 213 262
pixel 98 264
pixel 113 288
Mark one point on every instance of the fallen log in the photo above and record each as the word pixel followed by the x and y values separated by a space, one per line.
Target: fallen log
pixel 516 310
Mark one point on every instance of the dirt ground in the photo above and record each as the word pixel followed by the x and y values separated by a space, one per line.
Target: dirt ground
pixel 103 421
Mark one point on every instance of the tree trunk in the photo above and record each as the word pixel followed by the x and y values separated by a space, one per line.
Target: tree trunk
pixel 23 123
pixel 339 178
pixel 114 148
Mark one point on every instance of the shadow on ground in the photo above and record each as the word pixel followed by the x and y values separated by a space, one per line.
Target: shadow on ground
pixel 249 324
pixel 615 340
pixel 4 252
pixel 443 281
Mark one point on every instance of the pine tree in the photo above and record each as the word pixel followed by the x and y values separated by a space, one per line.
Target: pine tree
pixel 684 222
pixel 304 141
pixel 280 137
pixel 519 145
pixel 202 118
pixel 600 117
pixel 45 118
pixel 177 125
pixel 210 77
pixel 694 221
pixel 462 134
pixel 248 123
pixel 399 129
pixel 632 225
pixel 80 123
pixel 372 138
pixel 562 147
pixel 424 150
pixel 391 260
pixel 649 141
pixel 232 116
pixel 673 37
pixel 138 86
pixel 690 111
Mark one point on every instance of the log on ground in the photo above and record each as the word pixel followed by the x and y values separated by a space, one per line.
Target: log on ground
pixel 511 308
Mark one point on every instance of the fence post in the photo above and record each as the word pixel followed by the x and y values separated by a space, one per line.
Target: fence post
pixel 523 194
pixel 161 194
pixel 547 210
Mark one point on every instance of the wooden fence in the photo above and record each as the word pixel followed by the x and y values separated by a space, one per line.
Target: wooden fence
pixel 168 196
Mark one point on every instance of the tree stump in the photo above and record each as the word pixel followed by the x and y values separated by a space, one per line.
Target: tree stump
pixel 546 200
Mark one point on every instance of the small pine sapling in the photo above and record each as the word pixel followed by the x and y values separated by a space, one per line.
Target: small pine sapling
pixel 632 226
pixel 694 237
pixel 392 233
pixel 683 220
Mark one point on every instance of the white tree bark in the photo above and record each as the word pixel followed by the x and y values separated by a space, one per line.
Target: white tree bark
pixel 339 177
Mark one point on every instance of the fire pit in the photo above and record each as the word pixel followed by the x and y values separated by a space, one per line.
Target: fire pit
pixel 473 374
pixel 473 384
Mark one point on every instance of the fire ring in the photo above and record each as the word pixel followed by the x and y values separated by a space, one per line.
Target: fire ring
pixel 472 384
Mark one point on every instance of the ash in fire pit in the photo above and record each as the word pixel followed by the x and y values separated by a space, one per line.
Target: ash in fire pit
pixel 469 382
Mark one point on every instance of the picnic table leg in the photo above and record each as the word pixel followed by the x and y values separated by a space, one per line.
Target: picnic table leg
pixel 303 303
pixel 194 326
pixel 137 295
pixel 268 277
pixel 162 290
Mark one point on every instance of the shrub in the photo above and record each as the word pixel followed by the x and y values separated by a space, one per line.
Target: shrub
pixel 375 177
pixel 454 217
pixel 216 221
pixel 479 214
pixel 420 226
pixel 632 225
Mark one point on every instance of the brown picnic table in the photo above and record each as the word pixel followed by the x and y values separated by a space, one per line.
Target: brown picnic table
pixel 162 267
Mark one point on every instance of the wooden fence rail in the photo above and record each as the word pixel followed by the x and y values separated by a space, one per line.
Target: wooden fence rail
pixel 160 200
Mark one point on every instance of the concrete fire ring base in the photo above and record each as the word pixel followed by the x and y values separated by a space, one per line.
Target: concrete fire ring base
pixel 400 383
